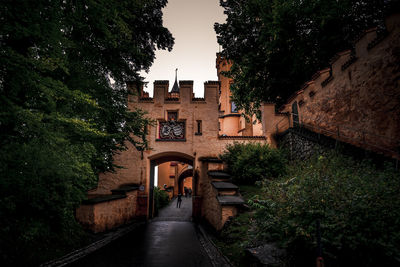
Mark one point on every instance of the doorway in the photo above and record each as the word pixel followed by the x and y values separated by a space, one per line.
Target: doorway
pixel 168 173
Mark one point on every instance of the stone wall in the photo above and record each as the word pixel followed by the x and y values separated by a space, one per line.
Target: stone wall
pixel 227 213
pixel 301 147
pixel 211 209
pixel 102 216
pixel 301 144
pixel 357 99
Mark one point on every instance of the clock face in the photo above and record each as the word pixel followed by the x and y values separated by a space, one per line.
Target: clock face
pixel 172 130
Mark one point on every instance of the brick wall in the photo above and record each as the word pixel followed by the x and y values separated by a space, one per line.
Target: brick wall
pixel 358 98
pixel 109 214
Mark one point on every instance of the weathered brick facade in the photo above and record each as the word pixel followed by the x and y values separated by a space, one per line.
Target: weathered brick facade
pixel 357 100
pixel 201 137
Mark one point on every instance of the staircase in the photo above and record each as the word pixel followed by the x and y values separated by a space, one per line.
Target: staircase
pixel 221 197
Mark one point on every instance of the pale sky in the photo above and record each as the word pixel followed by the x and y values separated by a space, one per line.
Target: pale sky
pixel 191 23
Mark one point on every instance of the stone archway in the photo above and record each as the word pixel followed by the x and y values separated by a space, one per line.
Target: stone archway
pixel 171 156
pixel 158 159
pixel 182 176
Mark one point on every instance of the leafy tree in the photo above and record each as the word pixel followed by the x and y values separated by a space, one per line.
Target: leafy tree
pixel 253 162
pixel 63 108
pixel 277 45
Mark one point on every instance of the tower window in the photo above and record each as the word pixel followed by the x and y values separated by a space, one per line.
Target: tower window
pixel 198 128
pixel 233 107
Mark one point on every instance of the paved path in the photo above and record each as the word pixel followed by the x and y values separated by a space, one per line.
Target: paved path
pixel 168 240
pixel 172 213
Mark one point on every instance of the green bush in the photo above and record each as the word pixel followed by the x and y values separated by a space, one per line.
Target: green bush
pixel 358 206
pixel 161 199
pixel 252 162
pixel 41 184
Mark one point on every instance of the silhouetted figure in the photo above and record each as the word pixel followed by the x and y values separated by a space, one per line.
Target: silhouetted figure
pixel 179 201
pixel 186 192
pixel 190 192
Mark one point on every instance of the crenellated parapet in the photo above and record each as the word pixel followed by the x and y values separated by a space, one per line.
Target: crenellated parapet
pixel 185 94
pixel 358 96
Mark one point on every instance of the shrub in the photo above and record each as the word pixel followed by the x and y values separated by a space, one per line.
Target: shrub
pixel 41 184
pixel 358 206
pixel 252 162
pixel 161 199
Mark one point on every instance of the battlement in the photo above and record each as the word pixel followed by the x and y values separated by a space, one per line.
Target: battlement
pixel 185 82
pixel 185 95
pixel 161 82
pixel 212 82
pixel 342 61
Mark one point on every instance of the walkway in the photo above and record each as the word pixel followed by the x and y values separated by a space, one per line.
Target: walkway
pixel 168 240
pixel 172 213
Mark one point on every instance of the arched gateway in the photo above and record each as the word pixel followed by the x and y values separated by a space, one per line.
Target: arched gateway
pixel 188 131
pixel 170 158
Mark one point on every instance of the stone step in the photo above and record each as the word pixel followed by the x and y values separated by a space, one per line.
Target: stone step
pixel 227 193
pixel 224 186
pixel 221 180
pixel 210 159
pixel 230 200
pixel 219 174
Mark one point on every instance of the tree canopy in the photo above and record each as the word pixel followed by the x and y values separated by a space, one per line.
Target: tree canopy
pixel 63 107
pixel 277 45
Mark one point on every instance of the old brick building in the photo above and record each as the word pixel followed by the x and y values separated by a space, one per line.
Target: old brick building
pixel 185 142
pixel 357 99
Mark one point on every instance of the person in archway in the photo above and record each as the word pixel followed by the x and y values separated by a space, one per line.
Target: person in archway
pixel 190 192
pixel 179 201
pixel 186 191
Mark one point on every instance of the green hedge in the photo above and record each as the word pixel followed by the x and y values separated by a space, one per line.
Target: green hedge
pixel 252 162
pixel 358 206
pixel 161 199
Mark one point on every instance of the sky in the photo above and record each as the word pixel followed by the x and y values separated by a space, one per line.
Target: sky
pixel 191 23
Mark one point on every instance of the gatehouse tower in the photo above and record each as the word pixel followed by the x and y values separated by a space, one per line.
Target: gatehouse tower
pixel 189 134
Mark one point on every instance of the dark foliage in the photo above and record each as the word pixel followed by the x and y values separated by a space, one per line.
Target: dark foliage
pixel 277 45
pixel 63 112
pixel 358 207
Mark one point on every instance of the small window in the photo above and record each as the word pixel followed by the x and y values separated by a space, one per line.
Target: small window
pixel 198 128
pixel 233 107
pixel 172 115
